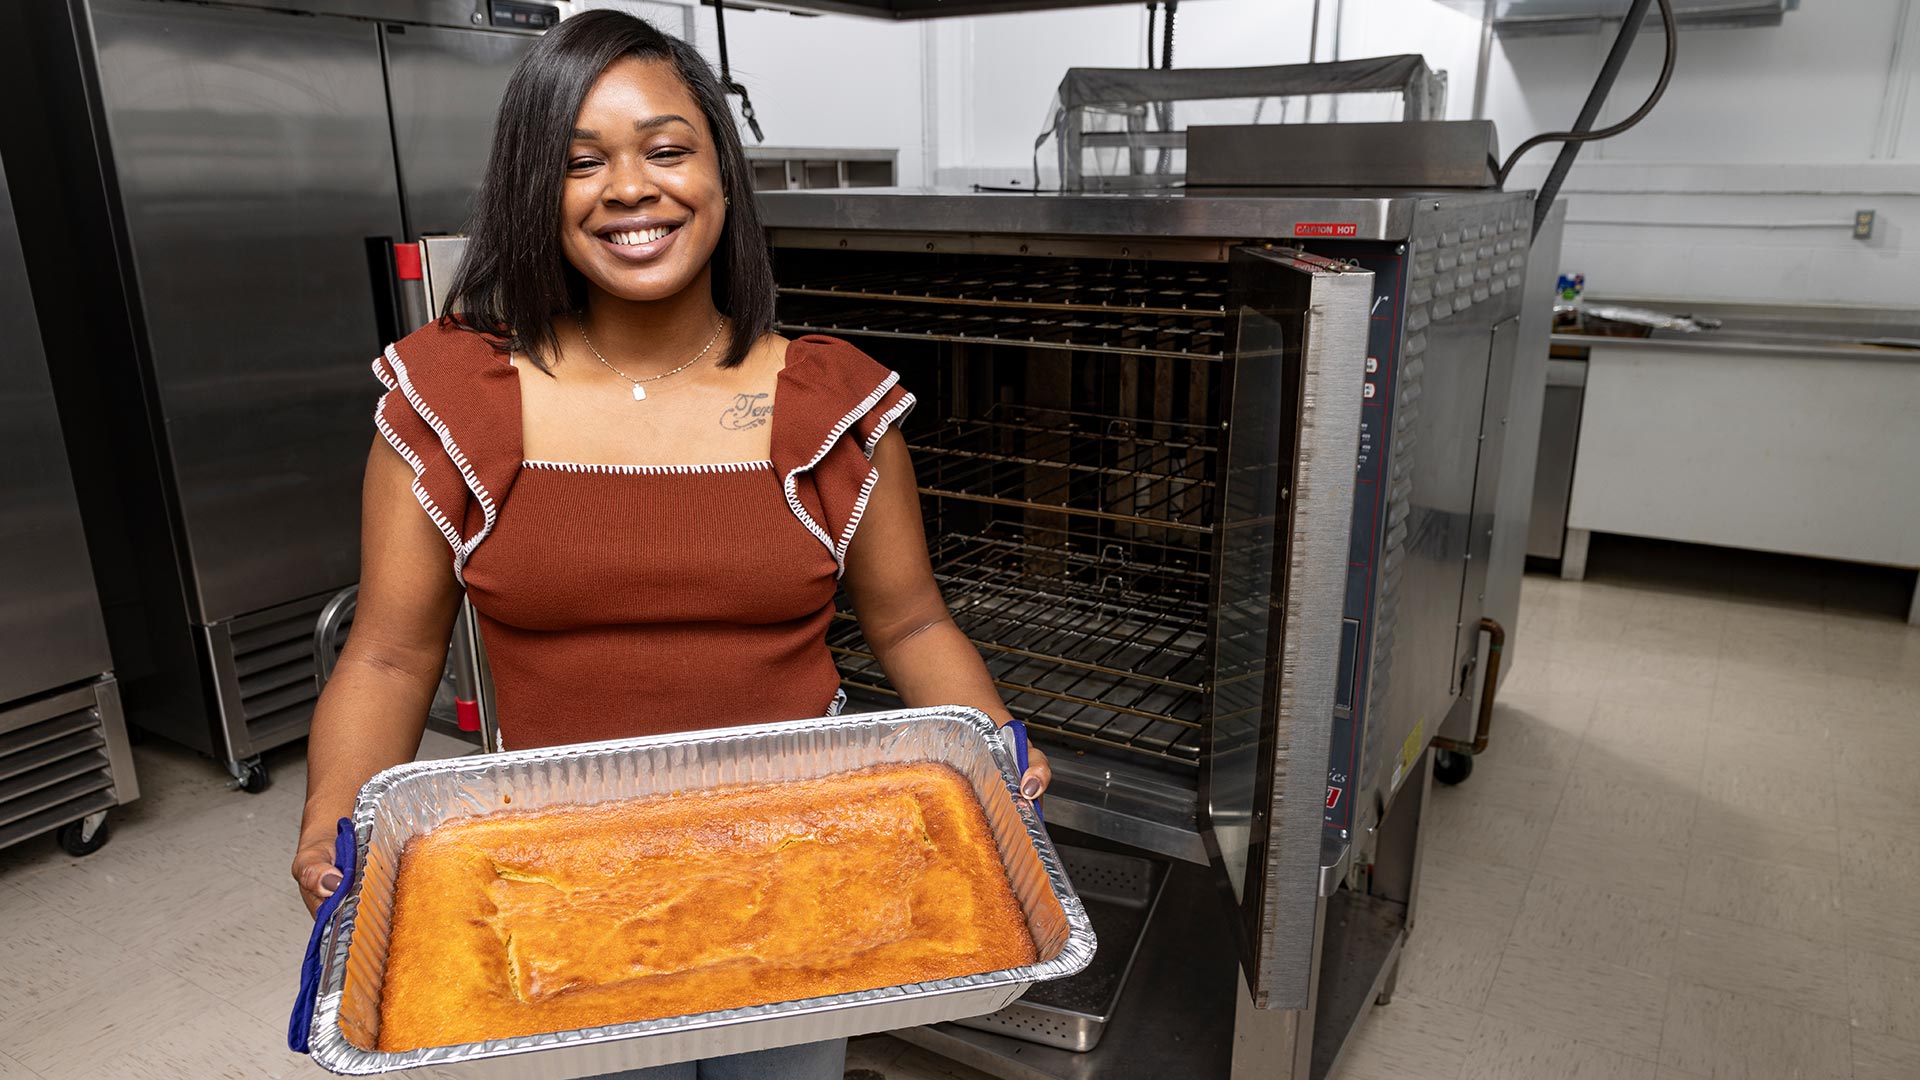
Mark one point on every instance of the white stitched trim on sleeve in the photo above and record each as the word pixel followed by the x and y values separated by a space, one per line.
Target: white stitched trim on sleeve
pixel 887 419
pixel 419 469
pixel 788 483
pixel 853 520
pixel 489 511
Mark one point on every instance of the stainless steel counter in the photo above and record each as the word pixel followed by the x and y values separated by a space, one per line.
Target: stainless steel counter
pixel 1774 330
pixel 1785 429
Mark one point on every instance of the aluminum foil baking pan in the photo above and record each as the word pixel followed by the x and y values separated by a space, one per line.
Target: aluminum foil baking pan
pixel 411 799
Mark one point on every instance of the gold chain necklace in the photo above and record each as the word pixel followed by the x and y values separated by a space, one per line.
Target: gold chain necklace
pixel 639 388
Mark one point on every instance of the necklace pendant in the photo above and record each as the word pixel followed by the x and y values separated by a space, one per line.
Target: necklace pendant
pixel 639 392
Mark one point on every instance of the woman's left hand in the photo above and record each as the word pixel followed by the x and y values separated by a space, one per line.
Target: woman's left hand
pixel 1033 783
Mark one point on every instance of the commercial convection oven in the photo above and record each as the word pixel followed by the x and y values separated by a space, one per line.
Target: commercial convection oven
pixel 1210 480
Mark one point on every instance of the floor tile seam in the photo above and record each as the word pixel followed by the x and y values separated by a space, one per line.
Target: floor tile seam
pixel 33 1074
pixel 1839 939
pixel 1564 880
pixel 1699 980
pixel 1693 853
pixel 77 925
pixel 1490 1014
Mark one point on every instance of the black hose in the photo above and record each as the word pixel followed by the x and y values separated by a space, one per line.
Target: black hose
pixel 1166 42
pixel 1153 21
pixel 726 76
pixel 1659 90
pixel 1164 165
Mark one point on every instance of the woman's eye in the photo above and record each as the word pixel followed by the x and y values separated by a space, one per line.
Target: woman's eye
pixel 668 156
pixel 581 163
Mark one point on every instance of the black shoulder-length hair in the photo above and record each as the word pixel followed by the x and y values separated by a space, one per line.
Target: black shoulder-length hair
pixel 514 274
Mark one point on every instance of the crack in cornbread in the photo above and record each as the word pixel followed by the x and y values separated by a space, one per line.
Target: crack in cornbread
pixel 526 922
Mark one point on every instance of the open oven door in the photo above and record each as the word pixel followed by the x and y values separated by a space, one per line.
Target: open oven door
pixel 1281 539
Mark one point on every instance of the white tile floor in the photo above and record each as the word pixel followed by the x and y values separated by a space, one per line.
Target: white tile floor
pixel 1692 853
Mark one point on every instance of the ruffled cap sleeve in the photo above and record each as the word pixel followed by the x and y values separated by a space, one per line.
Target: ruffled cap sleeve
pixel 834 405
pixel 452 411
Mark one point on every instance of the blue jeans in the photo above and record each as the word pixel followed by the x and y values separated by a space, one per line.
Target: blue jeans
pixel 808 1061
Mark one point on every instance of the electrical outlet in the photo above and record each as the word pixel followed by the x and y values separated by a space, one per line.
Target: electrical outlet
pixel 1863 224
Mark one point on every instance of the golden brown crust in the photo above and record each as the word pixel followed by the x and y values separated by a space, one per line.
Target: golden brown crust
pixel 520 923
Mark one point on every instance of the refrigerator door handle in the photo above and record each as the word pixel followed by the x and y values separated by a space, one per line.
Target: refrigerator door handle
pixel 386 288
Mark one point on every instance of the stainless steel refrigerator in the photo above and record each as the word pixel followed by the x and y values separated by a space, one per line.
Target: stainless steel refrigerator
pixel 214 196
pixel 64 759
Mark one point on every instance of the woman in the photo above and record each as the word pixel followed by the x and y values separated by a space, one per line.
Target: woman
pixel 649 496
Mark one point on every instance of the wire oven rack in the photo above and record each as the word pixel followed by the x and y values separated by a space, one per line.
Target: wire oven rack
pixel 1142 472
pixel 1087 644
pixel 1168 312
pixel 1078 286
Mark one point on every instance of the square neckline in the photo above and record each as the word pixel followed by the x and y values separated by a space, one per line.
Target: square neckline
pixel 674 469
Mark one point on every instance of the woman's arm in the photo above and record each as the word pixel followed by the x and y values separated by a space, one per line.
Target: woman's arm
pixel 374 708
pixel 902 613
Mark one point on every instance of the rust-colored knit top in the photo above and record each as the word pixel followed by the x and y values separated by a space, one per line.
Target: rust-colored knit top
pixel 618 600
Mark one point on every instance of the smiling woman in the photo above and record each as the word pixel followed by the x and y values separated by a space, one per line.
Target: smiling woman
pixel 649 498
pixel 644 112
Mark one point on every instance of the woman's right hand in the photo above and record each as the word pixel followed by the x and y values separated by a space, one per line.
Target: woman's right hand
pixel 373 709
pixel 315 873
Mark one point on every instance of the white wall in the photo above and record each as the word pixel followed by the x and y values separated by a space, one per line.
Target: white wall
pixel 1764 132
pixel 1742 182
pixel 830 81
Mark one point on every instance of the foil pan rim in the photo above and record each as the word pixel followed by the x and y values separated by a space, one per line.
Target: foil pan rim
pixel 332 1050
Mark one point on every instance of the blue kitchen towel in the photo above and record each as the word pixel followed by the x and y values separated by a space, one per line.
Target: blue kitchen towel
pixel 302 1021
pixel 1019 729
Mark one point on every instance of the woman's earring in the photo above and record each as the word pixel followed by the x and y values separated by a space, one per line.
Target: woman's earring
pixel 727 200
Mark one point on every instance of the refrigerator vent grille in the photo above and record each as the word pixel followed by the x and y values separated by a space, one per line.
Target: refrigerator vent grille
pixel 274 661
pixel 52 771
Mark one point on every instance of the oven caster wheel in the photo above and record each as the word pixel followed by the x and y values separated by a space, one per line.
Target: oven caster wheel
pixel 83 837
pixel 1450 768
pixel 249 776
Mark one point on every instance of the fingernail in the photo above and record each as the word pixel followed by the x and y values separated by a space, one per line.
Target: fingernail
pixel 329 881
pixel 1031 789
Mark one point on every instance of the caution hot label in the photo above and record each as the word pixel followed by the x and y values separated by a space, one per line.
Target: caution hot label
pixel 1326 228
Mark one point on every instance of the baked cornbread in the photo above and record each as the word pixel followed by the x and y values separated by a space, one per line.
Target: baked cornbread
pixel 525 922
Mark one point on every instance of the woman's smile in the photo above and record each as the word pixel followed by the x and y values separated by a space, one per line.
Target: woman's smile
pixel 637 240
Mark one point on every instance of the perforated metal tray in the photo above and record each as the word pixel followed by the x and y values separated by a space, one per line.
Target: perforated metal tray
pixel 1121 893
pixel 410 799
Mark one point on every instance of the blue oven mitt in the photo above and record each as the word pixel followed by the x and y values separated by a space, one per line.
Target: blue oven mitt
pixel 302 1021
pixel 1019 730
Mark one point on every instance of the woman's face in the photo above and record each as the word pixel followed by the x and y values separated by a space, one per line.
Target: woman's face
pixel 643 206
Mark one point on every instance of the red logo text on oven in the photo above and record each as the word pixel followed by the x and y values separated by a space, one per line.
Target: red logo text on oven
pixel 1326 228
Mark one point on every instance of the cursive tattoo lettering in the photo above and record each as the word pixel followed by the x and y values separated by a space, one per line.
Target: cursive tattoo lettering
pixel 747 411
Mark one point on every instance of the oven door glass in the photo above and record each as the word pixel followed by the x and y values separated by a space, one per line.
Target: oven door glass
pixel 1285 506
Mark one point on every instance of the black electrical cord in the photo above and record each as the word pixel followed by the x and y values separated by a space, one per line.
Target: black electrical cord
pixel 1166 42
pixel 1164 165
pixel 1659 89
pixel 1153 19
pixel 726 76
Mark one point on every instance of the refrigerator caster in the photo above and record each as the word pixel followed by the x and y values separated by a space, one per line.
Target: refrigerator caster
pixel 249 776
pixel 83 837
pixel 1450 768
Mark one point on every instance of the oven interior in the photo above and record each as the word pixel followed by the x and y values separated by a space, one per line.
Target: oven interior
pixel 1069 445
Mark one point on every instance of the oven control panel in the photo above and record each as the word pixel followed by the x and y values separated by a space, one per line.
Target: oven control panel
pixel 1370 521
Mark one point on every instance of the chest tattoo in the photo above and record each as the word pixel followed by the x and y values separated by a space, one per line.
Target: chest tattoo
pixel 748 411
